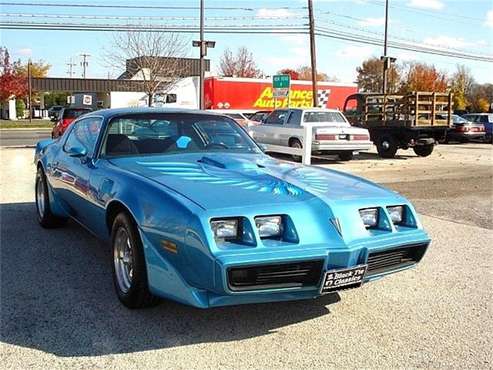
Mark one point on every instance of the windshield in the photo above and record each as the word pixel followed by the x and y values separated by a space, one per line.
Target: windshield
pixel 324 116
pixel 146 134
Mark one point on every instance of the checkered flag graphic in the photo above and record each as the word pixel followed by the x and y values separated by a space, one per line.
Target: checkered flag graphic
pixel 323 98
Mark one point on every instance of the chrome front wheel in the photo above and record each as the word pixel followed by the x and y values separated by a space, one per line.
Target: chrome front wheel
pixel 129 263
pixel 123 259
pixel 40 196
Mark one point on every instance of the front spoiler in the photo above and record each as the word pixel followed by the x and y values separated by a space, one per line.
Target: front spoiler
pixel 167 282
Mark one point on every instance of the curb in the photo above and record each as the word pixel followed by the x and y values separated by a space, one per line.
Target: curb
pixel 25 128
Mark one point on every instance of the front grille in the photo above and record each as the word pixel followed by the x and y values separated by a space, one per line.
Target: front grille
pixel 380 262
pixel 276 276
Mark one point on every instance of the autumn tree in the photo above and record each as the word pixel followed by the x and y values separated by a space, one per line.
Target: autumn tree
pixel 480 97
pixel 240 65
pixel 294 75
pixel 153 57
pixel 305 73
pixel 461 84
pixel 370 76
pixel 423 77
pixel 11 83
pixel 38 69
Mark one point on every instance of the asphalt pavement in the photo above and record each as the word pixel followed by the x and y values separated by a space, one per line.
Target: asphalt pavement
pixel 58 308
pixel 23 137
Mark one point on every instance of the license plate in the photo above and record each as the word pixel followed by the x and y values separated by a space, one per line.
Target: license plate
pixel 344 137
pixel 337 279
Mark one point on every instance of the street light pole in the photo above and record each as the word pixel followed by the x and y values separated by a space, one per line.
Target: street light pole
pixel 203 45
pixel 385 57
pixel 313 55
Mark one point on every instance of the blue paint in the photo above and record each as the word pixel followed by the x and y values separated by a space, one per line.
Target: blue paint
pixel 174 197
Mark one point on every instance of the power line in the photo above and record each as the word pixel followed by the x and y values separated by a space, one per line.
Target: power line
pixel 146 17
pixel 380 34
pixel 401 45
pixel 237 28
pixel 164 7
pixel 248 29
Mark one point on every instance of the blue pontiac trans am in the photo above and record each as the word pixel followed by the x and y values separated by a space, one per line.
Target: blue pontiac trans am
pixel 196 212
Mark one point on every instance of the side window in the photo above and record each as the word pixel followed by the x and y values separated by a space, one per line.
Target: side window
pixel 294 118
pixel 84 134
pixel 277 117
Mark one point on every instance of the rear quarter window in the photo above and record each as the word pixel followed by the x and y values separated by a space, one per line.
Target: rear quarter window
pixel 75 113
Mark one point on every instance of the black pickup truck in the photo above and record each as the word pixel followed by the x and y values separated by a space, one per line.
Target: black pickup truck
pixel 417 120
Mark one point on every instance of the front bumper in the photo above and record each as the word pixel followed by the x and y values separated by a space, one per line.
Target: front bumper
pixel 167 282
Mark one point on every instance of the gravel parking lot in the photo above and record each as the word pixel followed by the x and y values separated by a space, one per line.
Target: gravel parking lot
pixel 58 308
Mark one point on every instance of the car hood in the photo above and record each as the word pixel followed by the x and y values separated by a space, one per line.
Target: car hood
pixel 223 180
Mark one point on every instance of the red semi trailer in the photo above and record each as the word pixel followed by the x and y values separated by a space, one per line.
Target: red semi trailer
pixel 257 94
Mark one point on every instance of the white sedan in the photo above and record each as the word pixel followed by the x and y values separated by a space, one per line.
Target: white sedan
pixel 331 132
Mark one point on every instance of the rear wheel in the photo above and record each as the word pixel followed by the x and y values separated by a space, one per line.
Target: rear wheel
pixel 129 266
pixel 386 146
pixel 295 143
pixel 423 150
pixel 346 156
pixel 45 217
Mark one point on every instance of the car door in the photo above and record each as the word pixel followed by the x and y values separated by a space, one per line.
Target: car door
pixel 273 126
pixel 292 127
pixel 74 167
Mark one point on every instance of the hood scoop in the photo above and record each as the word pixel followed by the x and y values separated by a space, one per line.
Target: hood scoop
pixel 229 163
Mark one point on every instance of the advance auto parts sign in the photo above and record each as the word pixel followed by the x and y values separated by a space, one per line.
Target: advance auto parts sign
pixel 298 98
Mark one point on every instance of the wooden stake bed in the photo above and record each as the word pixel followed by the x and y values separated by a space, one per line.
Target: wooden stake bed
pixel 417 109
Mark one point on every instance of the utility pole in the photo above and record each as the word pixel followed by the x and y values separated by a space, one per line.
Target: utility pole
pixel 203 45
pixel 385 57
pixel 84 63
pixel 313 55
pixel 202 55
pixel 71 66
pixel 30 90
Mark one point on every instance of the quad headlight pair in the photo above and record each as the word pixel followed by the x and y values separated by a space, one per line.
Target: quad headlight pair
pixel 230 228
pixel 369 216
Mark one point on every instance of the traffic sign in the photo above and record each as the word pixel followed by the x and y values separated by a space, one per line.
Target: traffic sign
pixel 281 81
pixel 280 92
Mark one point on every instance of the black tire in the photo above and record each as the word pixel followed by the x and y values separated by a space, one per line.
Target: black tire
pixel 295 143
pixel 346 156
pixel 45 217
pixel 137 295
pixel 423 150
pixel 386 146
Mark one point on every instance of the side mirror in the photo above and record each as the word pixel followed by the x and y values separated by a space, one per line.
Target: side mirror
pixel 263 147
pixel 77 151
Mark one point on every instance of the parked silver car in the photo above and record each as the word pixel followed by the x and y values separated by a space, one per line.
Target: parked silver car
pixel 331 132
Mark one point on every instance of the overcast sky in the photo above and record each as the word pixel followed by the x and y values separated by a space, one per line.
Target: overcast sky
pixel 461 25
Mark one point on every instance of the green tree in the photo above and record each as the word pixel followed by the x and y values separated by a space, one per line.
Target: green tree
pixel 370 76
pixel 20 107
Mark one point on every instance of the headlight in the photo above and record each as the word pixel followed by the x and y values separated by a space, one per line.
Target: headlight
pixel 396 213
pixel 225 229
pixel 369 216
pixel 269 226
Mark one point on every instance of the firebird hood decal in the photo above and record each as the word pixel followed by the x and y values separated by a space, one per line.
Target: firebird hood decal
pixel 218 180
